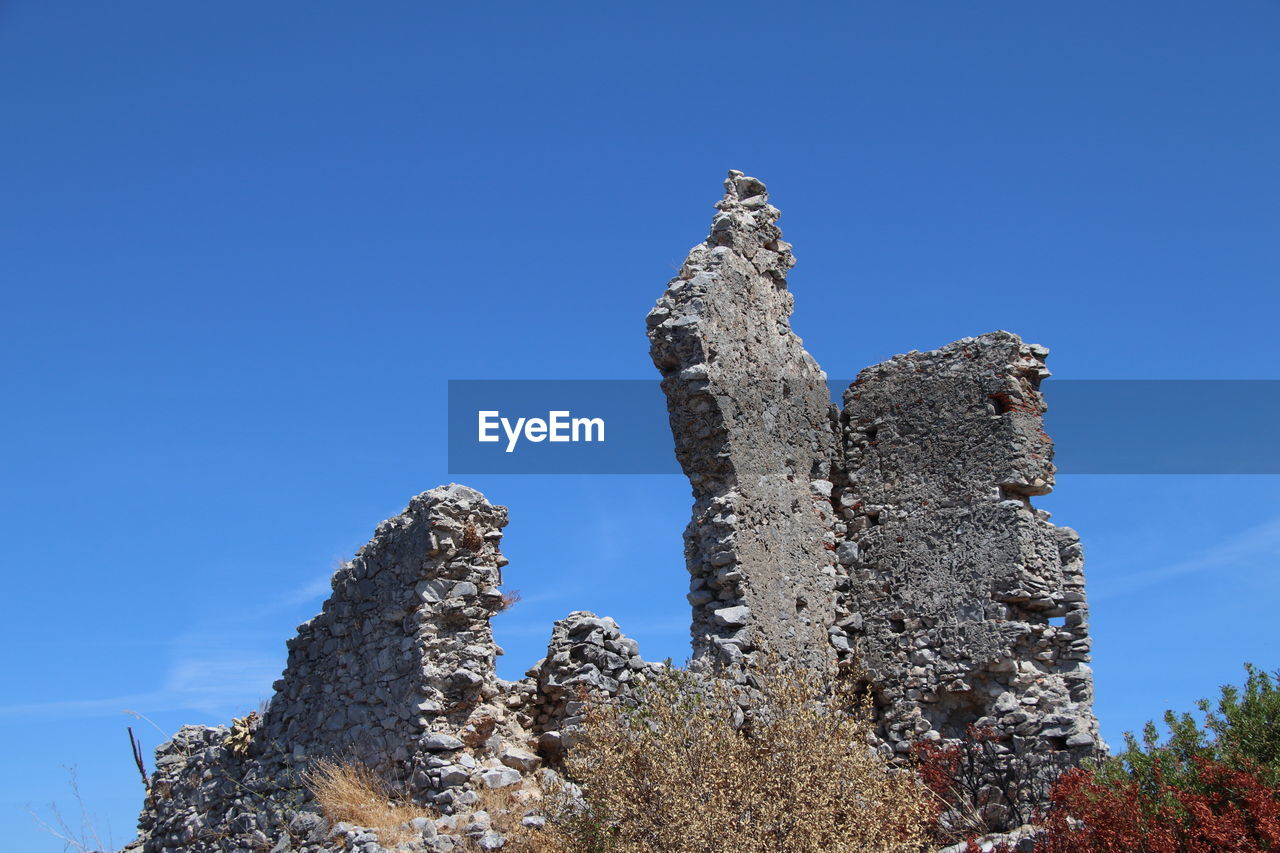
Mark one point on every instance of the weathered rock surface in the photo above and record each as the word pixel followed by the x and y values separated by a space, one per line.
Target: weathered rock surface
pixel 959 598
pixel 954 597
pixel 588 658
pixel 896 536
pixel 397 674
pixel 402 650
pixel 754 432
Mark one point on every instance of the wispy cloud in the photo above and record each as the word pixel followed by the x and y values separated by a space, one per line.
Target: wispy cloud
pixel 221 665
pixel 214 686
pixel 79 707
pixel 1257 547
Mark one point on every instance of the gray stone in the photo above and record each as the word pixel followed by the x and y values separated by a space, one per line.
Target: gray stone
pixel 753 426
pixel 896 534
pixel 491 840
pixel 576 641
pixel 522 760
pixel 728 616
pixel 311 827
pixel 500 777
pixel 453 776
pixel 440 742
pixel 943 452
pixel 425 825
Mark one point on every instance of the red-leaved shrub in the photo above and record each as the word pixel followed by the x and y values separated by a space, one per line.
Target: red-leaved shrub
pixel 1227 810
pixel 979 789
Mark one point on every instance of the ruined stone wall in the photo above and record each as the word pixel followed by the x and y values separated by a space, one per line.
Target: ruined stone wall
pixel 962 601
pixel 955 597
pixel 588 658
pixel 753 427
pixel 396 673
pixel 403 648
pixel 897 536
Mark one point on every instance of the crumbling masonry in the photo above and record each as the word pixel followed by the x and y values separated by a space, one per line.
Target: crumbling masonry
pixel 894 535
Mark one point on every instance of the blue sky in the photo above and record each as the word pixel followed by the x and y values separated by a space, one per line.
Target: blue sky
pixel 243 247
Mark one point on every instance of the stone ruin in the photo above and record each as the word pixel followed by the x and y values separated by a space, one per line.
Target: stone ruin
pixel 893 537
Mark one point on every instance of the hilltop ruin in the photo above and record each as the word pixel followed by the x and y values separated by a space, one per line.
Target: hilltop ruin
pixel 893 536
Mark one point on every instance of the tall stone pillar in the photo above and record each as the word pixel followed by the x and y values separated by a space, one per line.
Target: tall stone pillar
pixel 754 432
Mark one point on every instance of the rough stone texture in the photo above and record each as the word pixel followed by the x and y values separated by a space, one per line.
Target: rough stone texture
pixel 753 426
pixel 954 580
pixel 897 536
pixel 402 649
pixel 588 657
pixel 396 673
pixel 955 597
pixel 204 797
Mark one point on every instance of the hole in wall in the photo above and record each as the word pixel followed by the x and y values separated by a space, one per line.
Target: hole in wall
pixel 954 712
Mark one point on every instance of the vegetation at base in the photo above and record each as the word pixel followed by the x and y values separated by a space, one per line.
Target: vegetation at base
pixel 351 792
pixel 1242 734
pixel 683 769
pixel 1211 786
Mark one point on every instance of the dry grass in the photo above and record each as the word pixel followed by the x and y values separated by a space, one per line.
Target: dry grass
pixel 506 808
pixel 351 792
pixel 471 538
pixel 675 775
pixel 81 837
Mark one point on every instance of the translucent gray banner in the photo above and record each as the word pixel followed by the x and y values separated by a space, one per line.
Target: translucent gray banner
pixel 1098 426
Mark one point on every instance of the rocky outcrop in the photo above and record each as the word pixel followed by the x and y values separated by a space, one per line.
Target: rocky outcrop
pixel 898 535
pixel 958 598
pixel 895 537
pixel 588 658
pixel 402 650
pixel 754 432
pixel 395 674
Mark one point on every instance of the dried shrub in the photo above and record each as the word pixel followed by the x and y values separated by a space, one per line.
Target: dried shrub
pixel 471 538
pixel 510 598
pixel 672 772
pixel 507 808
pixel 351 792
pixel 980 790
pixel 240 738
pixel 82 835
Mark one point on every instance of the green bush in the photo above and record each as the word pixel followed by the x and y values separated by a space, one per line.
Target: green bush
pixel 1210 786
pixel 1242 733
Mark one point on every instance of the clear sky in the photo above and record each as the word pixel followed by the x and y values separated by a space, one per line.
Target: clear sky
pixel 244 245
